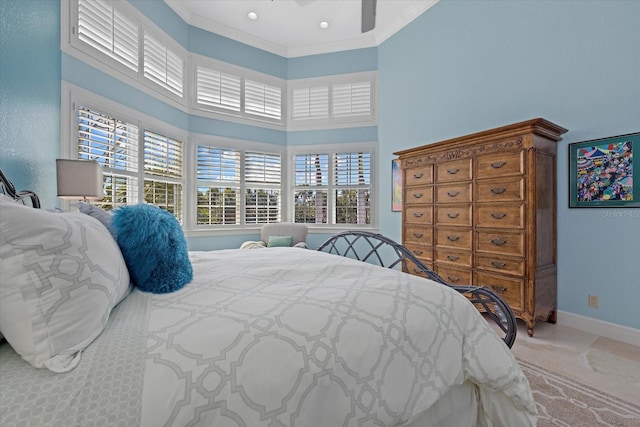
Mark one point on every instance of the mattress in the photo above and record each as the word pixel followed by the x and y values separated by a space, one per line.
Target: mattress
pixel 281 337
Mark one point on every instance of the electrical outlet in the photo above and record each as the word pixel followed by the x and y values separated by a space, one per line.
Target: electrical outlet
pixel 594 302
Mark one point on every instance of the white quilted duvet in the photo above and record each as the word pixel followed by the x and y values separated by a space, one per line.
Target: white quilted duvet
pixel 290 337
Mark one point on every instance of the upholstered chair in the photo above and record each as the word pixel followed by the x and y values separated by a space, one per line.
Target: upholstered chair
pixel 280 234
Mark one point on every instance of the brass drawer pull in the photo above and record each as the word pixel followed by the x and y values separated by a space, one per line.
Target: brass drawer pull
pixel 418 252
pixel 418 175
pixel 418 214
pixel 453 193
pixel 453 171
pixel 418 235
pixel 417 195
pixel 453 279
pixel 418 271
pixel 498 215
pixel 452 257
pixel 453 215
pixel 453 238
pixel 498 165
pixel 498 190
pixel 498 264
pixel 498 242
pixel 498 289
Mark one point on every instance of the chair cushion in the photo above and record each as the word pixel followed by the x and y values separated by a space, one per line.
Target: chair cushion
pixel 298 232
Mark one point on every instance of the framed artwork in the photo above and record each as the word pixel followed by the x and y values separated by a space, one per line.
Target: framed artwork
pixel 601 173
pixel 396 186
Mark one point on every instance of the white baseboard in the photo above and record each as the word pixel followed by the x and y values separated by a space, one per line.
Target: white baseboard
pixel 600 327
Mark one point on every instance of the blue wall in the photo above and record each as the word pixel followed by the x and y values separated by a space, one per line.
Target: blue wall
pixel 30 94
pixel 482 64
pixel 461 67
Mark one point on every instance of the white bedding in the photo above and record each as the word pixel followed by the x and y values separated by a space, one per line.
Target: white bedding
pixel 282 337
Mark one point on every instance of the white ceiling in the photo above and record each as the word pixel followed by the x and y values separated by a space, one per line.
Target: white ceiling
pixel 291 28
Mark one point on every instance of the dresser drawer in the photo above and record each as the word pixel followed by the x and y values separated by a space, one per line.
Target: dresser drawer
pixel 453 215
pixel 449 256
pixel 418 234
pixel 413 269
pixel 456 238
pixel 419 175
pixel 454 276
pixel 500 215
pixel 457 170
pixel 418 195
pixel 419 215
pixel 500 264
pixel 499 164
pixel 453 193
pixel 424 252
pixel 500 190
pixel 500 243
pixel 510 289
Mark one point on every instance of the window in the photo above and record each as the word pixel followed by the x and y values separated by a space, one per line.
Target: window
pixel 108 30
pixel 262 193
pixel 114 143
pixel 163 172
pixel 352 99
pixel 262 100
pixel 162 66
pixel 310 103
pixel 332 188
pixel 332 101
pixel 236 91
pixel 217 89
pixel 236 186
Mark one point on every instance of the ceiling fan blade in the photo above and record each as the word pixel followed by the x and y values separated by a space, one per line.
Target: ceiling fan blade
pixel 368 15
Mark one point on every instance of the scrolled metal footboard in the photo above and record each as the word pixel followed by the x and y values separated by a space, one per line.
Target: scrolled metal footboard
pixel 380 250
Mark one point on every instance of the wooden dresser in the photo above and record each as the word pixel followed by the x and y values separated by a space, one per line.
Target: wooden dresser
pixel 481 210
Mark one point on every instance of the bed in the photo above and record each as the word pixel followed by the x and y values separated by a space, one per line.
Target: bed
pixel 276 337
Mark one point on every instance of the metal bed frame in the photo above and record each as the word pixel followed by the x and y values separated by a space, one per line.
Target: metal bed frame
pixel 7 187
pixel 380 250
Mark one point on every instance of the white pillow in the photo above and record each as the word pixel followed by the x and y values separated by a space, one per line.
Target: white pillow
pixel 61 274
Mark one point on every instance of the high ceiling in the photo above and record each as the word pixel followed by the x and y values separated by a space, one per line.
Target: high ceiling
pixel 291 28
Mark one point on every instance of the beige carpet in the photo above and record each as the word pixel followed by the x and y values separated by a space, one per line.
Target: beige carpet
pixel 565 402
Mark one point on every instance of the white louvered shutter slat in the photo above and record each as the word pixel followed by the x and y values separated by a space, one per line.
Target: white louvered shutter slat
pixel 102 26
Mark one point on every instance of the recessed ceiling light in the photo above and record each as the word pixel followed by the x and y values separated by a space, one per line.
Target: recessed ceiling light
pixel 324 25
pixel 252 15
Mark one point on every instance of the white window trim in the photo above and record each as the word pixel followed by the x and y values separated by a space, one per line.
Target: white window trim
pixel 72 96
pixel 333 122
pixel 332 149
pixel 243 73
pixel 192 181
pixel 72 46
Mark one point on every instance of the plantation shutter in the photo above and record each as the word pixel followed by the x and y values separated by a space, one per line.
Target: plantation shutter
pixel 262 100
pixel 162 155
pixel 312 170
pixel 352 99
pixel 162 66
pixel 310 103
pixel 112 143
pixel 217 89
pixel 262 168
pixel 102 26
pixel 352 169
pixel 262 194
pixel 218 165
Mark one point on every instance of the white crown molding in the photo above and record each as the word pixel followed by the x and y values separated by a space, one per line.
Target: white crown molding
pixel 373 39
pixel 600 327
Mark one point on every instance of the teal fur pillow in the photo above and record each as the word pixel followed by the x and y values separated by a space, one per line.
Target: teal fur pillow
pixel 275 241
pixel 153 247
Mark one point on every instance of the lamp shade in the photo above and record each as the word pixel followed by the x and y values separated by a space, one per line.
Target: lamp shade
pixel 79 179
